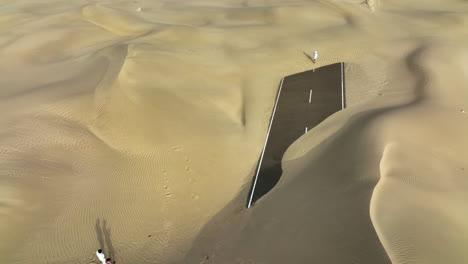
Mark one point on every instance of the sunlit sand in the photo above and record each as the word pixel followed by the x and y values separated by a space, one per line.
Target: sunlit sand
pixel 136 126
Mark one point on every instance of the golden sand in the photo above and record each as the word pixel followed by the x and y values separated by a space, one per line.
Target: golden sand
pixel 136 126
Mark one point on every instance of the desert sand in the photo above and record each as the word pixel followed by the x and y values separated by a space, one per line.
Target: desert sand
pixel 135 126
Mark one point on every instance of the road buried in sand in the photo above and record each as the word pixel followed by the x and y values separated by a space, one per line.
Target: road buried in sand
pixel 303 101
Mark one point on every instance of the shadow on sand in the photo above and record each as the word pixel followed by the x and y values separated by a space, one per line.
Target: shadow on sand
pixel 104 238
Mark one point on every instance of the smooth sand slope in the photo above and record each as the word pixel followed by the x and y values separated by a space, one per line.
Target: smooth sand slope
pixel 136 126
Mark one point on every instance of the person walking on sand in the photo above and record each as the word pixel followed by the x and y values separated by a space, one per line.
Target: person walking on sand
pixel 101 256
pixel 108 261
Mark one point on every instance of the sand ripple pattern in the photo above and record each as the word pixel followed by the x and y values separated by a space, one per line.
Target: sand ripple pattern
pixel 129 125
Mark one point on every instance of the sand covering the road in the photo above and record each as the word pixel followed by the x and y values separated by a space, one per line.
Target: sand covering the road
pixel 136 126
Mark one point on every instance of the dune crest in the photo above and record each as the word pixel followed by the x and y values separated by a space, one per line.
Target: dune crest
pixel 137 125
pixel 116 21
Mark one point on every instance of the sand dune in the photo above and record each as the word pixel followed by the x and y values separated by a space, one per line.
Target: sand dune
pixel 136 126
pixel 120 23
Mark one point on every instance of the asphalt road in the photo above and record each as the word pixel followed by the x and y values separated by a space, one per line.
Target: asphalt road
pixel 303 101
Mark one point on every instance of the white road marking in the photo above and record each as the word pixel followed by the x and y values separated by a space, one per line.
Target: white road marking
pixel 310 96
pixel 264 146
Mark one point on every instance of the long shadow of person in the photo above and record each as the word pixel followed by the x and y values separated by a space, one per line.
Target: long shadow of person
pixel 103 233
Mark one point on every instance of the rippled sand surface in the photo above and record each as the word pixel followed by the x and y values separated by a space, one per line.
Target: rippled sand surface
pixel 135 126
